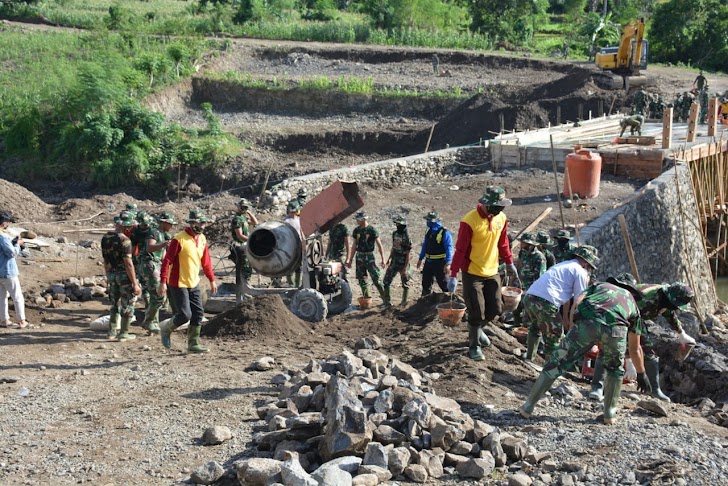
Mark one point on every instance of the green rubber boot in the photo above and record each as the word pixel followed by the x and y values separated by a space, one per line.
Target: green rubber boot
pixel 652 370
pixel 474 351
pixel 597 384
pixel 193 340
pixel 151 320
pixel 532 346
pixel 114 325
pixel 483 338
pixel 386 297
pixel 365 292
pixel 612 390
pixel 380 289
pixel 405 296
pixel 124 334
pixel 542 385
pixel 165 332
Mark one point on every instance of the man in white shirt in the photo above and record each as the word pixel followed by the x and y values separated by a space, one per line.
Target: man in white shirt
pixel 561 283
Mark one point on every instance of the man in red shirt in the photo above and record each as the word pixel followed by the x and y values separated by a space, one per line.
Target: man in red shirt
pixel 482 238
pixel 186 254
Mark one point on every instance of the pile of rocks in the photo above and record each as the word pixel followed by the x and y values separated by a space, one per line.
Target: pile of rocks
pixel 71 289
pixel 364 418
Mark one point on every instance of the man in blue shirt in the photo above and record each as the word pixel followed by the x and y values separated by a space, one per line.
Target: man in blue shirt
pixel 437 250
pixel 9 281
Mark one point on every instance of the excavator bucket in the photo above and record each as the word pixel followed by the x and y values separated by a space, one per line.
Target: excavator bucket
pixel 330 207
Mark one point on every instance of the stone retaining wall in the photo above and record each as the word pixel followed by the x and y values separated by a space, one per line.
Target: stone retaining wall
pixel 656 221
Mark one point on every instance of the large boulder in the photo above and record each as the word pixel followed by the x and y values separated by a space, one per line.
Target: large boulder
pixel 258 471
pixel 347 431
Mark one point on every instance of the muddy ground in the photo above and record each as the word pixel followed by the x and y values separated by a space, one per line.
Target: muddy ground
pixel 133 413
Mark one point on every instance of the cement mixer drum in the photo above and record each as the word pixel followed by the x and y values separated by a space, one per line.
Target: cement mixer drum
pixel 274 249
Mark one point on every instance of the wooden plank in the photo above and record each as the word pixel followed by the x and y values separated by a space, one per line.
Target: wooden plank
pixel 637 140
pixel 692 122
pixel 712 116
pixel 667 127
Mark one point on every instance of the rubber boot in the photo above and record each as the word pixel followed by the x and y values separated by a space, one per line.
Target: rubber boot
pixel 151 320
pixel 532 343
pixel 405 295
pixel 124 334
pixel 597 384
pixel 193 340
pixel 612 390
pixel 652 369
pixel 114 325
pixel 380 289
pixel 542 385
pixel 386 297
pixel 165 332
pixel 474 351
pixel 483 338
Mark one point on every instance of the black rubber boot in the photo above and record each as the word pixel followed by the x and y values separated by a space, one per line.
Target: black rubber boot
pixel 597 384
pixel 474 351
pixel 652 370
pixel 532 346
pixel 386 296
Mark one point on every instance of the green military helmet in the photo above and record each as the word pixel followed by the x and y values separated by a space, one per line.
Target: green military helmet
pixel 126 218
pixel 244 204
pixel 432 216
pixel 587 253
pixel 400 220
pixel 361 216
pixel 544 239
pixel 563 235
pixel 529 238
pixel 166 217
pixel 679 294
pixel 197 216
pixel 293 206
pixel 495 196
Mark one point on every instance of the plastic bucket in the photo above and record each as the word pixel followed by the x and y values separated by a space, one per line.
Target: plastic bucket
pixel 365 302
pixel 584 170
pixel 451 313
pixel 511 298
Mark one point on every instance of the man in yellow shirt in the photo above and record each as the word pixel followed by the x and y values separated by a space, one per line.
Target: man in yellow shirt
pixel 482 239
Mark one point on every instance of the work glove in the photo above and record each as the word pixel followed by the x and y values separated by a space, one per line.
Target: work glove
pixel 683 338
pixel 643 384
pixel 513 271
pixel 452 284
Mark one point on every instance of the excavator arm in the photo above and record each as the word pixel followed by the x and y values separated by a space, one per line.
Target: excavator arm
pixel 630 56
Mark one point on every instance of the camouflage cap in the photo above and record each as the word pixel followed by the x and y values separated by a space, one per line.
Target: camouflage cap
pixel 131 207
pixel 126 218
pixel 361 216
pixel 139 216
pixel 679 294
pixel 432 216
pixel 563 234
pixel 145 219
pixel 399 220
pixel 244 203
pixel 293 205
pixel 495 196
pixel 544 239
pixel 197 216
pixel 302 192
pixel 529 238
pixel 166 217
pixel 587 253
pixel 625 277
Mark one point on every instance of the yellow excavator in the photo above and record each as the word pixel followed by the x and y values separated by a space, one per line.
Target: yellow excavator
pixel 629 58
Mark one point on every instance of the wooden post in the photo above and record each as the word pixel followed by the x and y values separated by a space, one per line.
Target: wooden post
pixel 667 127
pixel 429 139
pixel 712 116
pixel 692 122
pixel 556 178
pixel 628 245
pixel 516 243
pixel 558 114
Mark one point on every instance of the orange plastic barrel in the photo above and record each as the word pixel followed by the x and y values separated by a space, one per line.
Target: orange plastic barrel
pixel 584 169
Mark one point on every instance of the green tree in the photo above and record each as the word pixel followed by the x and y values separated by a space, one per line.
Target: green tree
pixel 512 20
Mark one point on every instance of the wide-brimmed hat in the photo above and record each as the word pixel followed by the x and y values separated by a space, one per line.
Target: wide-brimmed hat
pixel 166 217
pixel 432 216
pixel 302 192
pixel 244 203
pixel 131 207
pixel 625 277
pixel 563 234
pixel 361 216
pixel 544 239
pixel 529 238
pixel 679 294
pixel 197 216
pixel 495 196
pixel 399 220
pixel 7 217
pixel 627 282
pixel 588 254
pixel 145 219
pixel 126 218
pixel 293 205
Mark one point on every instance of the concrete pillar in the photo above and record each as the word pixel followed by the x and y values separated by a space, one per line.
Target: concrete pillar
pixel 667 127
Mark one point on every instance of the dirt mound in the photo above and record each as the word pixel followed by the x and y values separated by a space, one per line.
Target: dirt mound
pixel 25 205
pixel 560 87
pixel 262 317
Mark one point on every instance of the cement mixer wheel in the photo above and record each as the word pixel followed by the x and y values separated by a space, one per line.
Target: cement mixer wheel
pixel 342 301
pixel 309 305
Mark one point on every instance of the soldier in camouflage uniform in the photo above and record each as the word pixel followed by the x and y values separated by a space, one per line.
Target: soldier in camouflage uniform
pixel 151 262
pixel 139 235
pixel 531 265
pixel 607 315
pixel 545 242
pixel 399 259
pixel 301 196
pixel 657 300
pixel 121 277
pixel 339 246
pixel 555 288
pixel 684 109
pixel 366 237
pixel 639 103
pixel 703 99
pixel 656 107
pixel 132 209
pixel 564 248
pixel 240 229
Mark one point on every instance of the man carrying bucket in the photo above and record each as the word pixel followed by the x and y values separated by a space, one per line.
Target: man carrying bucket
pixel 561 283
pixel 482 238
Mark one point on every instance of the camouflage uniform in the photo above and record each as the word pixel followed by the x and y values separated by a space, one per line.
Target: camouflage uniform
pixel 639 103
pixel 364 239
pixel 545 244
pixel 401 246
pixel 150 265
pixel 240 221
pixel 532 266
pixel 115 247
pixel 544 320
pixel 139 236
pixel 562 250
pixel 337 242
pixel 657 107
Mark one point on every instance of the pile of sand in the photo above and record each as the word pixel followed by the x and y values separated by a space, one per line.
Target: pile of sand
pixel 22 203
